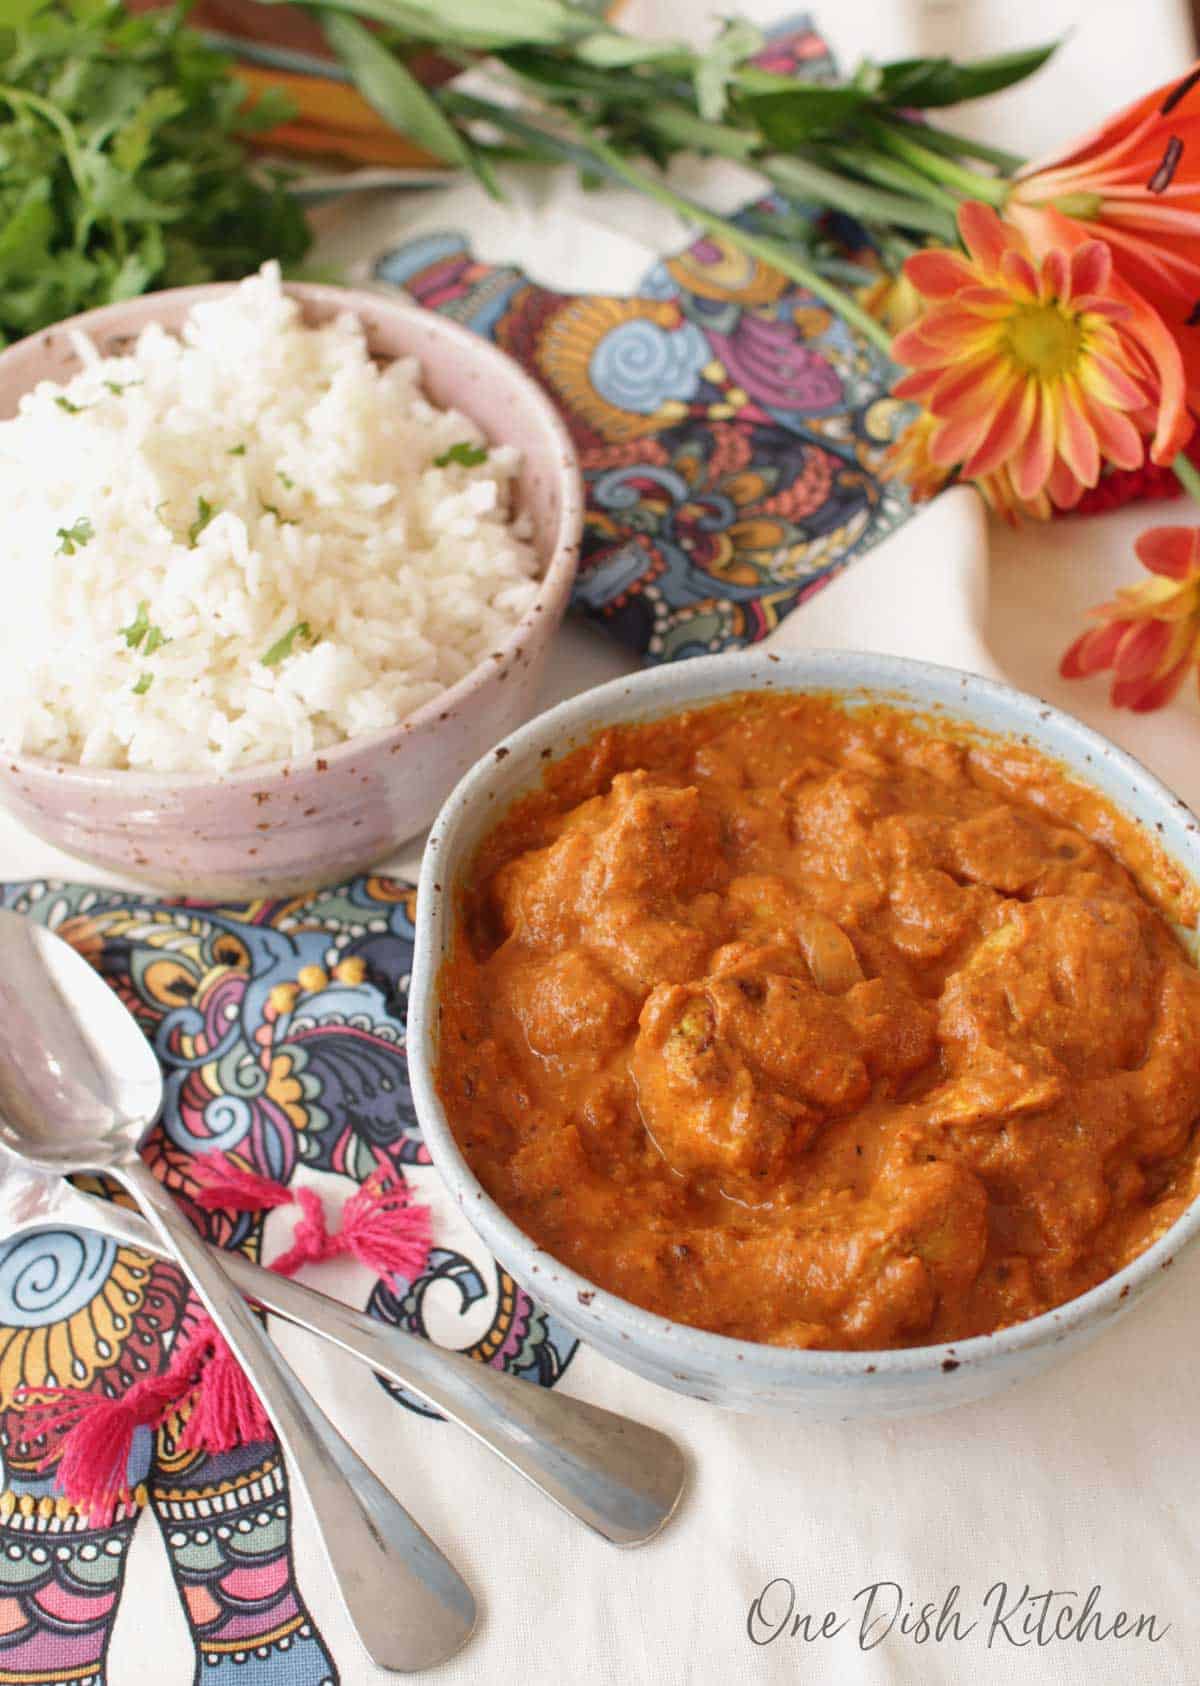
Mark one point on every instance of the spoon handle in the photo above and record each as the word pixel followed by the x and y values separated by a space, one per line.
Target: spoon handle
pixel 618 1476
pixel 410 1606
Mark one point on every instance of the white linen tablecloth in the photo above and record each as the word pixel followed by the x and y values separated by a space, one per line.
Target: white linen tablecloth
pixel 1077 1479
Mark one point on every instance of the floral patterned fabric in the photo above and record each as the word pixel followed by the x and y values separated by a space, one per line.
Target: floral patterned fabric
pixel 731 428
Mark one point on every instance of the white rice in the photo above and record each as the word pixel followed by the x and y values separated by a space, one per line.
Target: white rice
pixel 328 513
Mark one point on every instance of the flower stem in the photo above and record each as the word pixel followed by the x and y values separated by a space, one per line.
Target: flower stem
pixel 771 252
pixel 945 141
pixel 585 150
pixel 1187 474
pixel 964 183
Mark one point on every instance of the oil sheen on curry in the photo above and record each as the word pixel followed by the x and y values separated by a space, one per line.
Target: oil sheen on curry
pixel 812 1026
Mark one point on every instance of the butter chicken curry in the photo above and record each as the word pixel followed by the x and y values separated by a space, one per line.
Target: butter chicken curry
pixel 810 1025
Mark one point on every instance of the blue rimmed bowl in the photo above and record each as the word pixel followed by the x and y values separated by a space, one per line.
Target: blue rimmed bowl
pixel 743 1375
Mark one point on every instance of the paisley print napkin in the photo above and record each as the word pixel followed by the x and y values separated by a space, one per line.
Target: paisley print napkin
pixel 731 428
pixel 320 1087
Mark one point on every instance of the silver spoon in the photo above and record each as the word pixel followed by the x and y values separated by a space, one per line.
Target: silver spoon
pixel 79 1088
pixel 617 1476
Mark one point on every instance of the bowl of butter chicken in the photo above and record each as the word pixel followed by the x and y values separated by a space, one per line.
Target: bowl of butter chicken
pixel 817 1032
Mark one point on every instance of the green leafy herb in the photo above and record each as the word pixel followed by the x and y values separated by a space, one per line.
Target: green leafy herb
pixel 72 537
pixel 119 388
pixel 71 409
pixel 205 512
pixel 566 86
pixel 273 509
pixel 393 90
pixel 237 450
pixel 282 647
pixel 141 633
pixel 464 454
pixel 143 684
pixel 122 164
pixel 737 42
pixel 287 480
pixel 138 626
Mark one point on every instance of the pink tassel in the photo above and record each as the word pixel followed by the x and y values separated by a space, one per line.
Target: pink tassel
pixel 94 1434
pixel 229 1187
pixel 226 1411
pixel 379 1228
pixel 311 1240
pixel 384 1232
pixel 94 1468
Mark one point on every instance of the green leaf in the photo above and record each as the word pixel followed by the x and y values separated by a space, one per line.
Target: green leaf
pixel 205 512
pixel 803 180
pixel 926 83
pixel 71 409
pixel 273 509
pixel 80 532
pixel 282 647
pixel 804 113
pixel 266 108
pixel 18 14
pixel 393 90
pixel 138 627
pixel 474 25
pixel 464 453
pixel 737 42
pixel 567 76
pixel 610 50
pixel 681 128
pixel 143 685
pixel 131 144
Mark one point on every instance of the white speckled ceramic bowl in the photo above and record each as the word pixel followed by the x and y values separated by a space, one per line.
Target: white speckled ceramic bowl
pixel 740 1375
pixel 284 827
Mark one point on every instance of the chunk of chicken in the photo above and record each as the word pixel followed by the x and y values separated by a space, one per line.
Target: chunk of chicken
pixel 1064 977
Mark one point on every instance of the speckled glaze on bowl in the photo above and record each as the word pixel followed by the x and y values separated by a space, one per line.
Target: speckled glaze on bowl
pixel 746 1376
pixel 283 827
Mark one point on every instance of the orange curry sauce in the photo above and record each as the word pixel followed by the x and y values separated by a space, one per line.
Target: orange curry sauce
pixel 811 1026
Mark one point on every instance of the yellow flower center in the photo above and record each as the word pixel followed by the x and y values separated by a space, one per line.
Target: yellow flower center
pixel 1043 340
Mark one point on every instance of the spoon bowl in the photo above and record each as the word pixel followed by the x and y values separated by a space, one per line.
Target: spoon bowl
pixel 82 1083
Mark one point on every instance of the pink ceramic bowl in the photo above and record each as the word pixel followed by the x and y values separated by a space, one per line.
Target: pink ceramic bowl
pixel 284 827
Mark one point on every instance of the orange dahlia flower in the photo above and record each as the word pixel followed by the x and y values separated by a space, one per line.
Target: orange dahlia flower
pixel 908 458
pixel 1150 635
pixel 1136 182
pixel 1037 362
